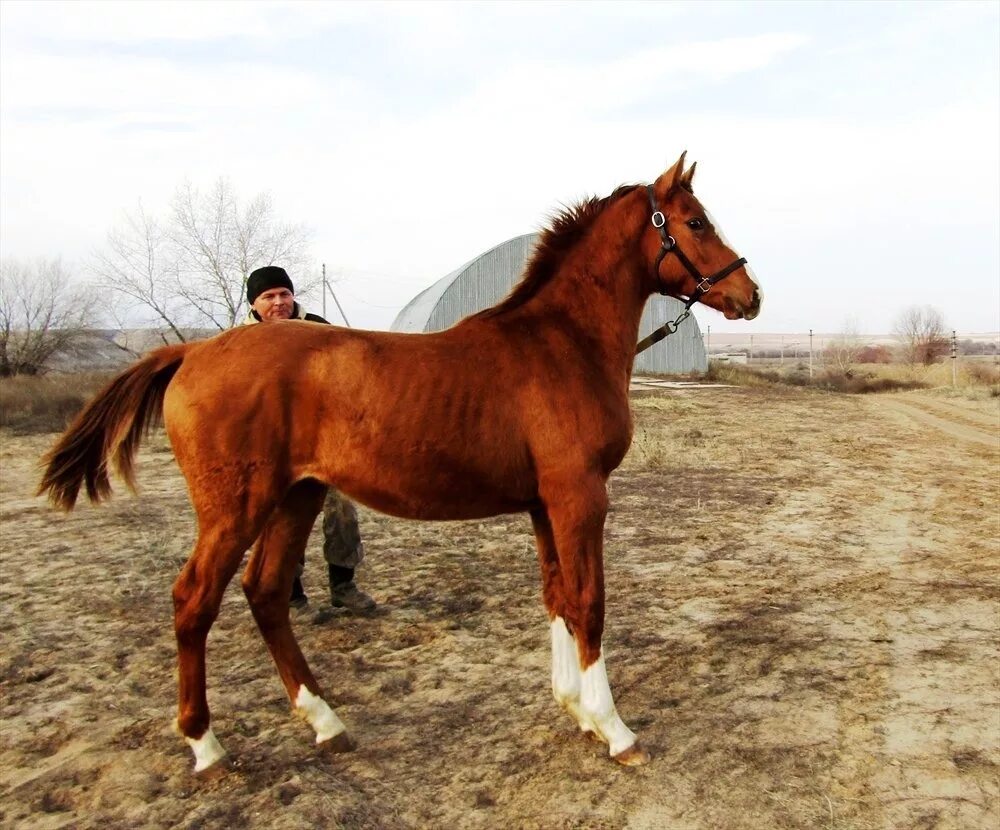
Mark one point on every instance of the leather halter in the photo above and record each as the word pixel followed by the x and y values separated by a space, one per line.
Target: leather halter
pixel 668 245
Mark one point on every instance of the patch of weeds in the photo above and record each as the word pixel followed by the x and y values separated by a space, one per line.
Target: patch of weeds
pixel 399 685
pixel 970 759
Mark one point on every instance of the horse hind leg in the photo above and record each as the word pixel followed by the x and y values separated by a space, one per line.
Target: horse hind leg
pixel 267 583
pixel 197 596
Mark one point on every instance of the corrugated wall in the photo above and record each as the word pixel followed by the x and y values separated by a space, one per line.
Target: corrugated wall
pixel 683 351
pixel 488 278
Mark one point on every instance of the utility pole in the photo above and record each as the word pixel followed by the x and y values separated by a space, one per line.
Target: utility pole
pixel 810 354
pixel 750 360
pixel 328 287
pixel 954 359
pixel 781 361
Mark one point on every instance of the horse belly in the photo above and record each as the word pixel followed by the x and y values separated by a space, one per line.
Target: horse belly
pixel 430 503
pixel 417 486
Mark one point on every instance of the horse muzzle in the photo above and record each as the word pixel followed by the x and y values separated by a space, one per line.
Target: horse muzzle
pixel 734 310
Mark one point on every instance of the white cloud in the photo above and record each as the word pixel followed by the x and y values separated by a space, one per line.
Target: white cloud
pixel 551 89
pixel 107 84
pixel 114 22
pixel 824 206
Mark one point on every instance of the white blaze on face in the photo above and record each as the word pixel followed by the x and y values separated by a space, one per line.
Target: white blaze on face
pixel 318 715
pixel 207 750
pixel 725 241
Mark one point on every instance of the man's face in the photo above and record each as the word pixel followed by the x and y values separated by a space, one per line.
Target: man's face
pixel 274 304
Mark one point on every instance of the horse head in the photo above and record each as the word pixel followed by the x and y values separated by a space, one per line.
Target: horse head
pixel 688 254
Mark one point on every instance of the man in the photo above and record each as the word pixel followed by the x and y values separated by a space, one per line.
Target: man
pixel 272 297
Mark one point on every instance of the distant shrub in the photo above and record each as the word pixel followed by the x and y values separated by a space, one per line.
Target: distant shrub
pixel 862 384
pixel 985 374
pixel 849 382
pixel 33 404
pixel 874 354
pixel 738 374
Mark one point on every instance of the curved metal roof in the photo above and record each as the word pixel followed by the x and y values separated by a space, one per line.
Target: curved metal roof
pixel 478 284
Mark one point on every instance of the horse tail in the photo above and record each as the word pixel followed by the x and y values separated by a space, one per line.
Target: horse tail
pixel 110 426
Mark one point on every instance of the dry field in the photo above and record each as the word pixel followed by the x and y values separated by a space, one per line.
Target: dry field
pixel 802 626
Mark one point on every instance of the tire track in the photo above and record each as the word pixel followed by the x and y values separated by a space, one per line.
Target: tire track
pixel 943 419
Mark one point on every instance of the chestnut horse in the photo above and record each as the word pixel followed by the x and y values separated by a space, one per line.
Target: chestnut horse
pixel 521 407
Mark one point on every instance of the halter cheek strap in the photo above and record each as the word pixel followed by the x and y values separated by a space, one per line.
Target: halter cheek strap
pixel 668 245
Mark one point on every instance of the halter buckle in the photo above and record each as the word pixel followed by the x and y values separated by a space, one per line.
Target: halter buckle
pixel 704 285
pixel 659 220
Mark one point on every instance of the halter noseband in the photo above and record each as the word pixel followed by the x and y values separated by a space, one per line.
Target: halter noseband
pixel 669 245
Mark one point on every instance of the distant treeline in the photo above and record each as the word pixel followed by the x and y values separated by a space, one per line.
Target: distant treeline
pixel 869 354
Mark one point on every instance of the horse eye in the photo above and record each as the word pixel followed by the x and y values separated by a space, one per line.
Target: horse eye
pixel 695 224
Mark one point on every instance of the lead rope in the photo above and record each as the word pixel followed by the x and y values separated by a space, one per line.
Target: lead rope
pixel 663 331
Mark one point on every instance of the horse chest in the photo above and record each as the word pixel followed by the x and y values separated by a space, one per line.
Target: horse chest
pixel 617 440
pixel 596 436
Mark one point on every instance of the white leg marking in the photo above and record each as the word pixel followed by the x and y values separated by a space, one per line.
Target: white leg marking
pixel 565 663
pixel 319 716
pixel 207 750
pixel 599 707
pixel 566 672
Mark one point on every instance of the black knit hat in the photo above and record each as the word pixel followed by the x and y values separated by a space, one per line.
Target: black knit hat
pixel 266 278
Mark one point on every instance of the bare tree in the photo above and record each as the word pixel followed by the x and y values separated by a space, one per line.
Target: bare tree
pixel 922 335
pixel 221 242
pixel 140 265
pixel 842 351
pixel 192 270
pixel 41 313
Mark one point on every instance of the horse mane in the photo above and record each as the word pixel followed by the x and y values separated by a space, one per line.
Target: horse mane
pixel 566 229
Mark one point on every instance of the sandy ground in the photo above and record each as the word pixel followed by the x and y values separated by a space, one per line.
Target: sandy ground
pixel 802 626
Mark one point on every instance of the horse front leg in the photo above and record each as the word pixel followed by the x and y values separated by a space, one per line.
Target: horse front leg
pixel 267 583
pixel 577 531
pixel 565 663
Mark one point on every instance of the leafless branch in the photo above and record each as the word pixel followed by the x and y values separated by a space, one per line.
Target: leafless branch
pixel 922 335
pixel 192 271
pixel 41 312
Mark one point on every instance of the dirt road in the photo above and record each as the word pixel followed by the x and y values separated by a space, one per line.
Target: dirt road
pixel 949 417
pixel 802 626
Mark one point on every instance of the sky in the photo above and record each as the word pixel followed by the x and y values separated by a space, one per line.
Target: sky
pixel 850 150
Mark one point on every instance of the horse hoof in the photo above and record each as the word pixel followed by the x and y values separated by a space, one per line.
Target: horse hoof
pixel 220 769
pixel 634 756
pixel 338 743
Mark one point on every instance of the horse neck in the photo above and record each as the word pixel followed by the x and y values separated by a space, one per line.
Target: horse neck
pixel 600 289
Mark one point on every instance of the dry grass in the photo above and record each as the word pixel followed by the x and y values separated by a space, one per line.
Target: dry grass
pixel 45 404
pixel 801 594
pixel 975 377
pixel 970 372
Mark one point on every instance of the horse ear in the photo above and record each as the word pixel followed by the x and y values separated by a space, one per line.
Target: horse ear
pixel 688 177
pixel 671 177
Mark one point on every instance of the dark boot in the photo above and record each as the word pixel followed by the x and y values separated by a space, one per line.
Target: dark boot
pixel 298 598
pixel 345 594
